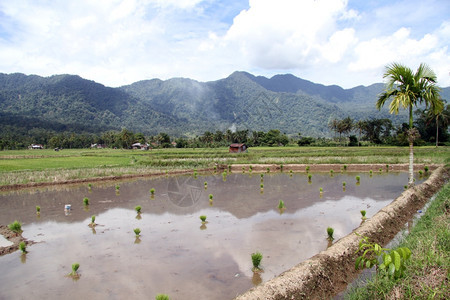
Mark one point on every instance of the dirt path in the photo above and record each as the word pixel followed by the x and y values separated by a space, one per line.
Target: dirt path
pixel 329 272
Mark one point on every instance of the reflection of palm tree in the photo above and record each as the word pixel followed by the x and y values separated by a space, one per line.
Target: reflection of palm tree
pixel 408 89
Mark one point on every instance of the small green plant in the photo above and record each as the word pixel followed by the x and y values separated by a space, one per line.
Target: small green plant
pixel 281 167
pixel 152 191
pixel 261 185
pixel 331 172
pixel 229 168
pixel 262 176
pixel 137 231
pixel 290 172
pixel 210 197
pixel 345 167
pixel 281 205
pixel 420 173
pixel 363 214
pixel 75 268
pixel 380 170
pixel 330 232
pixel 405 187
pixel 23 247
pixel 321 190
pixel 195 173
pixel 38 209
pixel 162 297
pixel 387 168
pixel 205 184
pixel 90 186
pixel 426 169
pixel 138 209
pixel 250 168
pixel 392 261
pixel 203 218
pixel 256 260
pixel 307 169
pixel 93 219
pixel 15 226
pixel 358 179
pixel 309 177
pixel 268 170
pixel 370 172
pixel 344 184
pixel 117 187
pixel 86 201
pixel 243 169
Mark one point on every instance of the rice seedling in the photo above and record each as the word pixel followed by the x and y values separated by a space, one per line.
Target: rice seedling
pixel 331 172
pixel 90 186
pixel 256 261
pixel 15 226
pixel 387 168
pixel 290 173
pixel 195 173
pixel 210 197
pixel 75 268
pixel 250 168
pixel 162 297
pixel 261 185
pixel 321 190
pixel 137 231
pixel 268 170
pixel 117 187
pixel 23 247
pixel 380 170
pixel 405 187
pixel 420 173
pixel 309 177
pixel 358 179
pixel 307 169
pixel 281 167
pixel 86 201
pixel 330 233
pixel 152 191
pixel 38 210
pixel 93 219
pixel 344 184
pixel 363 214
pixel 345 167
pixel 205 185
pixel 426 169
pixel 243 169
pixel 203 218
pixel 229 168
pixel 370 172
pixel 138 209
pixel 281 205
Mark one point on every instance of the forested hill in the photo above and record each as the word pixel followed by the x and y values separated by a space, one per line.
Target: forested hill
pixel 179 106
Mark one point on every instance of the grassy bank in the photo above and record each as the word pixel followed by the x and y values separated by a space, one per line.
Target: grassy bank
pixel 427 271
pixel 34 166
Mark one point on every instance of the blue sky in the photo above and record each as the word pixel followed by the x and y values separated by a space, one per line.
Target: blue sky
pixel 118 42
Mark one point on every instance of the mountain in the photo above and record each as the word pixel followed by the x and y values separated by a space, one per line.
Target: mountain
pixel 181 106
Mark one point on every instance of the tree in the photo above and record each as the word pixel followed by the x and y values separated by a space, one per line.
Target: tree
pixel 408 89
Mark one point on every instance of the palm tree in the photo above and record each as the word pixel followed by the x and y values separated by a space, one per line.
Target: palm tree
pixel 408 89
pixel 440 116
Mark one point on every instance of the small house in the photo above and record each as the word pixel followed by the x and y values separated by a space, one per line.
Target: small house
pixel 238 148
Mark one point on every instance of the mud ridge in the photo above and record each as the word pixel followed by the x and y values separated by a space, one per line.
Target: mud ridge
pixel 329 272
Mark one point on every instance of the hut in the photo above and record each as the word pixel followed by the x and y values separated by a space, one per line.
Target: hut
pixel 238 148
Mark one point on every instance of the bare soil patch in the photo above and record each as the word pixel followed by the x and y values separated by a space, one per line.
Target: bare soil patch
pixel 14 238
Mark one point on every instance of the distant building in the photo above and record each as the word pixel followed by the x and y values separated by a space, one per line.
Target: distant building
pixel 140 146
pixel 238 148
pixel 36 146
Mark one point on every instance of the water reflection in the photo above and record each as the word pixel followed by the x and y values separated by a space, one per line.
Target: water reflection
pixel 175 256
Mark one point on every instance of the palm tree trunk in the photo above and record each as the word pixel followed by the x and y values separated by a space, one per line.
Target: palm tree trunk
pixel 437 130
pixel 411 150
pixel 411 164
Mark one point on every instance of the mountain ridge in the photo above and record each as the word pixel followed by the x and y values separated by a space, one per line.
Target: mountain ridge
pixel 183 106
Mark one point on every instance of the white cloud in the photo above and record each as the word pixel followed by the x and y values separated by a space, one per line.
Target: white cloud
pixel 121 41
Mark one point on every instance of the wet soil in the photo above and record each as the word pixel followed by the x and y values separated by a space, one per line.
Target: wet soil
pixel 329 272
pixel 319 277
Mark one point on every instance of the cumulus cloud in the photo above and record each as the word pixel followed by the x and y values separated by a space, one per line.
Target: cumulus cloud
pixel 118 42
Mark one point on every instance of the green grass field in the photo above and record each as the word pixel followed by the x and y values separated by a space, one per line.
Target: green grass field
pixel 25 166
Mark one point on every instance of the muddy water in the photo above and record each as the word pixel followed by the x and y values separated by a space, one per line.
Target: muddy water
pixel 176 254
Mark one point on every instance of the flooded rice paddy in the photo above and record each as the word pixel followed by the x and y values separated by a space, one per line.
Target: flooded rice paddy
pixel 176 254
